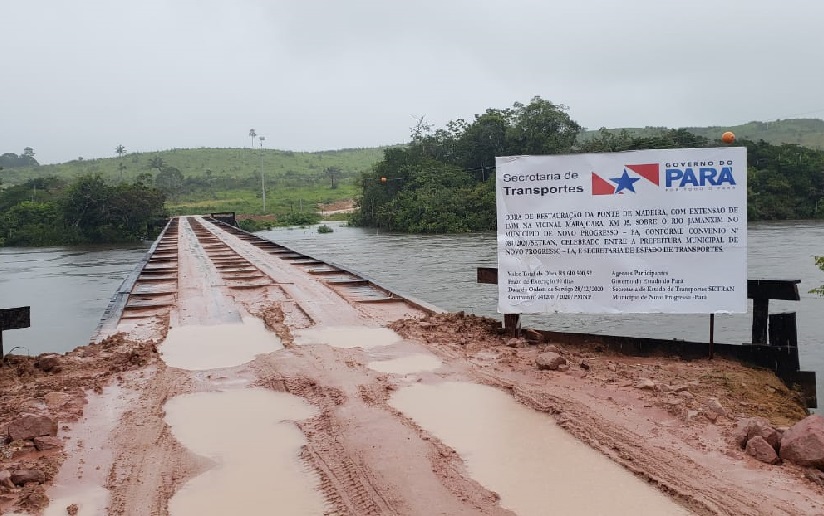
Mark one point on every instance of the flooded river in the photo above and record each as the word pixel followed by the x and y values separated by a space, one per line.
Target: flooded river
pixel 68 289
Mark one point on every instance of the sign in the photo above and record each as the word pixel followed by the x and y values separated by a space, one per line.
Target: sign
pixel 14 318
pixel 653 231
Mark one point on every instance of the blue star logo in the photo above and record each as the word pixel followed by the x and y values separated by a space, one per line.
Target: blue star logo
pixel 624 182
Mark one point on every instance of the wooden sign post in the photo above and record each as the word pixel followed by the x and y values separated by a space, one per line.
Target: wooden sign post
pixel 12 319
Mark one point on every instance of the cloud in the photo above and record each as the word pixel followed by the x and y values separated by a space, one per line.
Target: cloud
pixel 85 76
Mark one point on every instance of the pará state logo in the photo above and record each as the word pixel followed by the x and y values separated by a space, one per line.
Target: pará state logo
pixel 636 178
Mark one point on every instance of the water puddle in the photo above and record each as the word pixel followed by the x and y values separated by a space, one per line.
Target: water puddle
pixel 534 465
pixel 198 348
pixel 416 363
pixel 251 437
pixel 348 337
pixel 90 502
pixel 83 474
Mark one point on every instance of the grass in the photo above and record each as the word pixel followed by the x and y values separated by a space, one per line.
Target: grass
pixel 229 179
pixel 808 132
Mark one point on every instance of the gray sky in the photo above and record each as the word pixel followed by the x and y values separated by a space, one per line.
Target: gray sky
pixel 81 77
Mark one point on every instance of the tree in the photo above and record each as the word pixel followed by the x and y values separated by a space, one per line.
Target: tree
pixel 121 151
pixel 156 162
pixel 333 173
pixel 252 135
pixel 170 181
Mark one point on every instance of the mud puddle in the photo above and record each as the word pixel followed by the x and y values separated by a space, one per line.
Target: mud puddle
pixel 535 466
pixel 251 437
pixel 198 348
pixel 89 502
pixel 348 337
pixel 82 476
pixel 417 363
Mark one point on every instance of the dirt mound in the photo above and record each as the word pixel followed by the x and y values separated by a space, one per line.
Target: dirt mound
pixel 55 386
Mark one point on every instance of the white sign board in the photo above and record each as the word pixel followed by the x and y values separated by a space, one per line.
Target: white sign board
pixel 653 231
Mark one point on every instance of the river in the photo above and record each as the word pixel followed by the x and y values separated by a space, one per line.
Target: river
pixel 68 289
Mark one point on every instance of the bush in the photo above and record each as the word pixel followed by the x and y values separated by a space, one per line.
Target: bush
pixel 252 225
pixel 323 228
pixel 305 218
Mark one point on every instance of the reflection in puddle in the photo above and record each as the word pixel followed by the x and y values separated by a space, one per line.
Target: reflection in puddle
pixel 251 437
pixel 348 336
pixel 197 348
pixel 524 456
pixel 409 364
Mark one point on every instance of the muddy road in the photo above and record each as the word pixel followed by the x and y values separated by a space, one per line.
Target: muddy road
pixel 241 378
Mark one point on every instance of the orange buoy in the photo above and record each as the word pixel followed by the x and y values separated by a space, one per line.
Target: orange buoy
pixel 728 137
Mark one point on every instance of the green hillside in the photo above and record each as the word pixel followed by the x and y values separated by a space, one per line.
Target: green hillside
pixel 807 132
pixel 225 179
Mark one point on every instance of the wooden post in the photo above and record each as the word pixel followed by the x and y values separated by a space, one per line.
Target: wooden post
pixel 712 335
pixel 783 333
pixel 760 311
pixel 512 324
pixel 12 319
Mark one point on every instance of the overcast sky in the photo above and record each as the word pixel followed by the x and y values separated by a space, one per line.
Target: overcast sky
pixel 80 77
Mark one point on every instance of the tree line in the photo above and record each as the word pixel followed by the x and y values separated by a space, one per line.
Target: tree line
pixel 87 210
pixel 444 180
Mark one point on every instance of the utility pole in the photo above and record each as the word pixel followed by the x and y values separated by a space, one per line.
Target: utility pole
pixel 262 177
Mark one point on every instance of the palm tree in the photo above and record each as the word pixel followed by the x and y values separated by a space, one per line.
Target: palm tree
pixel 120 150
pixel 252 135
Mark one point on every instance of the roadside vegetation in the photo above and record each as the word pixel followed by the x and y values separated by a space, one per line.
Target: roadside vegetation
pixel 444 180
pixel 86 210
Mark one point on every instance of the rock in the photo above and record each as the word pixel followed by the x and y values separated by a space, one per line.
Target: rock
pixel 5 479
pixel 663 387
pixel 681 388
pixel 48 442
pixel 24 476
pixel 552 348
pixel 585 365
pixel 513 342
pixel 645 384
pixel 29 426
pixel 746 429
pixel 47 363
pixel 690 415
pixel 549 361
pixel 72 509
pixel 714 406
pixel 563 368
pixel 759 448
pixel 687 395
pixel 815 475
pixel 612 367
pixel 712 416
pixel 533 336
pixel 803 443
pixel 56 399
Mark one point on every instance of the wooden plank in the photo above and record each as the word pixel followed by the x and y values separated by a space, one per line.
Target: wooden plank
pixel 488 275
pixel 773 289
pixel 15 318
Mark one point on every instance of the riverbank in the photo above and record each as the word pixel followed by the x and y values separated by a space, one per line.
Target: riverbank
pixel 371 400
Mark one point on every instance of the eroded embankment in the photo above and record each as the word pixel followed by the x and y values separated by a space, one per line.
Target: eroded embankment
pixel 339 410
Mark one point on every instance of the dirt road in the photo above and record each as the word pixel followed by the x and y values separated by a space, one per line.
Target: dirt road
pixel 242 378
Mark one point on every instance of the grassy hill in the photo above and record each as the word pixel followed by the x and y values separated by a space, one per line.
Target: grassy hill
pixel 807 132
pixel 229 179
